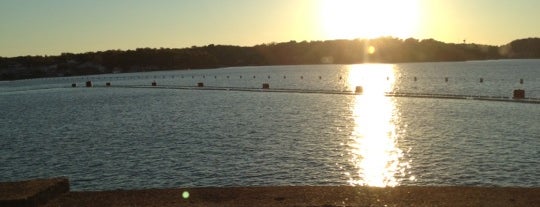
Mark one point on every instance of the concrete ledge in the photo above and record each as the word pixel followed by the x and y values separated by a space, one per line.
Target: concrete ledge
pixel 52 193
pixel 306 196
pixel 31 193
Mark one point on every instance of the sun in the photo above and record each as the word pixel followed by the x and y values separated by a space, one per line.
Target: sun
pixel 350 19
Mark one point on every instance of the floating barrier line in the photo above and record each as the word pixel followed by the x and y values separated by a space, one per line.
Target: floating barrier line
pixel 388 94
pixel 465 97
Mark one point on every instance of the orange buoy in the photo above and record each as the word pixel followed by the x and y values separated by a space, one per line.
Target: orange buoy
pixel 519 94
pixel 358 89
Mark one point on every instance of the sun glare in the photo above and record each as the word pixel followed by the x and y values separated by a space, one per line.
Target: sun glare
pixel 373 143
pixel 350 19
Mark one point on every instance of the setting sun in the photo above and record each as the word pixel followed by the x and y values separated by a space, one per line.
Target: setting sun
pixel 349 19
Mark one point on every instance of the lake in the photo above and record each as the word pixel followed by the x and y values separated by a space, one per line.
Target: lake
pixel 309 128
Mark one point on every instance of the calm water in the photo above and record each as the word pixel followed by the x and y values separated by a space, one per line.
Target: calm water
pixel 131 137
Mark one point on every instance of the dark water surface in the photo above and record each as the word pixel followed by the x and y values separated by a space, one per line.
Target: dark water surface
pixel 118 137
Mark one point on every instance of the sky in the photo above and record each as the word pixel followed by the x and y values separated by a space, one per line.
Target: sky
pixel 51 27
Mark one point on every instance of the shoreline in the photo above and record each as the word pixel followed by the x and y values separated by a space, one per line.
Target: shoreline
pixel 55 192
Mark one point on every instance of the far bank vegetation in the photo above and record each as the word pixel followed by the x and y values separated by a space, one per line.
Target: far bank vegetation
pixel 381 50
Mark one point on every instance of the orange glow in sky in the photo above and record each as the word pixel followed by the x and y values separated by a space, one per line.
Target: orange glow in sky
pixel 37 27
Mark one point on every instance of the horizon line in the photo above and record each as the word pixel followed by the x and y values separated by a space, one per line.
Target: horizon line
pixel 219 44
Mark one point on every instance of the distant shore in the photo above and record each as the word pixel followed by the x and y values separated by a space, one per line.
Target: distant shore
pixel 55 192
pixel 384 50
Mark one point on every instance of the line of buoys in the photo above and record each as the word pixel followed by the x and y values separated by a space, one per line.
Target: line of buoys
pixel 90 84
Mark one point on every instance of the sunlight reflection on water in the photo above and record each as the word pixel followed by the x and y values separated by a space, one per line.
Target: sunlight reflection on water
pixel 373 145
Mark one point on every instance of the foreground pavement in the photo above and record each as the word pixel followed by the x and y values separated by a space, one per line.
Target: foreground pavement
pixel 30 193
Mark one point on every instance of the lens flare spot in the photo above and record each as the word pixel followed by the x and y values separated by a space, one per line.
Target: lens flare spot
pixel 371 50
pixel 185 195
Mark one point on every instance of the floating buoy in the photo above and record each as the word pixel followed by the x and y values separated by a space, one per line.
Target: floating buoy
pixel 265 86
pixel 240 77
pixel 154 83
pixel 358 89
pixel 268 77
pixel 200 84
pixel 227 77
pixel 88 83
pixel 203 76
pixel 254 77
pixel 481 80
pixel 446 79
pixel 301 77
pixel 519 94
pixel 215 77
pixel 108 84
pixel 387 78
pixel 73 85
pixel 284 77
pixel 320 77
pixel 415 78
pixel 521 81
pixel 340 77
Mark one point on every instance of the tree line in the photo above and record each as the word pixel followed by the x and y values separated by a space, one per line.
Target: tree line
pixel 380 50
